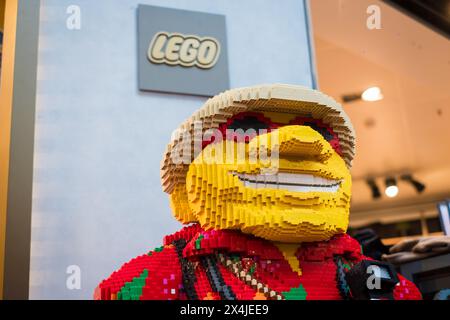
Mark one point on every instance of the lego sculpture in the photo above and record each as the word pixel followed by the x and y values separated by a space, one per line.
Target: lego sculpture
pixel 260 176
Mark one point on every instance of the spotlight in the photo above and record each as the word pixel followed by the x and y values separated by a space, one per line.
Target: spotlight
pixel 420 187
pixel 372 94
pixel 374 188
pixel 391 187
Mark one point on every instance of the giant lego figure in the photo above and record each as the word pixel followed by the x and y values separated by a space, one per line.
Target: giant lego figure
pixel 259 227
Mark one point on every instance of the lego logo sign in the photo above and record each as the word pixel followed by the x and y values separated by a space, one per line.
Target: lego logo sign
pixel 184 50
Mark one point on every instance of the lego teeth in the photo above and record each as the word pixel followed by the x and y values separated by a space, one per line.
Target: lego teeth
pixel 289 181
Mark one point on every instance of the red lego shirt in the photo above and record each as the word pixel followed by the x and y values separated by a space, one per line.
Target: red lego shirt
pixel 225 264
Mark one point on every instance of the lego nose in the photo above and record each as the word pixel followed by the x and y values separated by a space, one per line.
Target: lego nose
pixel 299 143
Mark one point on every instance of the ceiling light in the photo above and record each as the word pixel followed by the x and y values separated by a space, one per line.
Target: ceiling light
pixel 391 187
pixel 372 94
pixel 374 188
pixel 419 186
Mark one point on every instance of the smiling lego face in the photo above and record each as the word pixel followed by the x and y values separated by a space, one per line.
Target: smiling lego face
pixel 300 192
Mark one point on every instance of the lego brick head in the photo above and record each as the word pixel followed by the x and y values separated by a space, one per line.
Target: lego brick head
pixel 272 161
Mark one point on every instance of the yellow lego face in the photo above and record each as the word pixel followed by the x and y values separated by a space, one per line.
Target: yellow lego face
pixel 302 193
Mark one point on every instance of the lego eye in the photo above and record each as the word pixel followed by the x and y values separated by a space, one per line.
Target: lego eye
pixel 317 125
pixel 248 122
pixel 324 131
pixel 245 126
pixel 322 128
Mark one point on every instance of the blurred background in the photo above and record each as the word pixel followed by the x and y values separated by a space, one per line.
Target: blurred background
pixel 404 132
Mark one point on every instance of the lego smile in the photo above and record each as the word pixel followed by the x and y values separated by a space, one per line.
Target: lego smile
pixel 289 181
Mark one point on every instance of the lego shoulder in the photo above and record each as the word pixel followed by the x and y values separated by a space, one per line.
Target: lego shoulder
pixel 155 275
pixel 406 290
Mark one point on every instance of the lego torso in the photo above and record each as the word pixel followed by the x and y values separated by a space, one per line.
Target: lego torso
pixel 199 264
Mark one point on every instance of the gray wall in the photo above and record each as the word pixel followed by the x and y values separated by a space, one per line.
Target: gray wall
pixel 97 200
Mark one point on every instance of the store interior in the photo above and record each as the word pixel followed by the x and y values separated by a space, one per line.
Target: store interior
pixel 405 133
